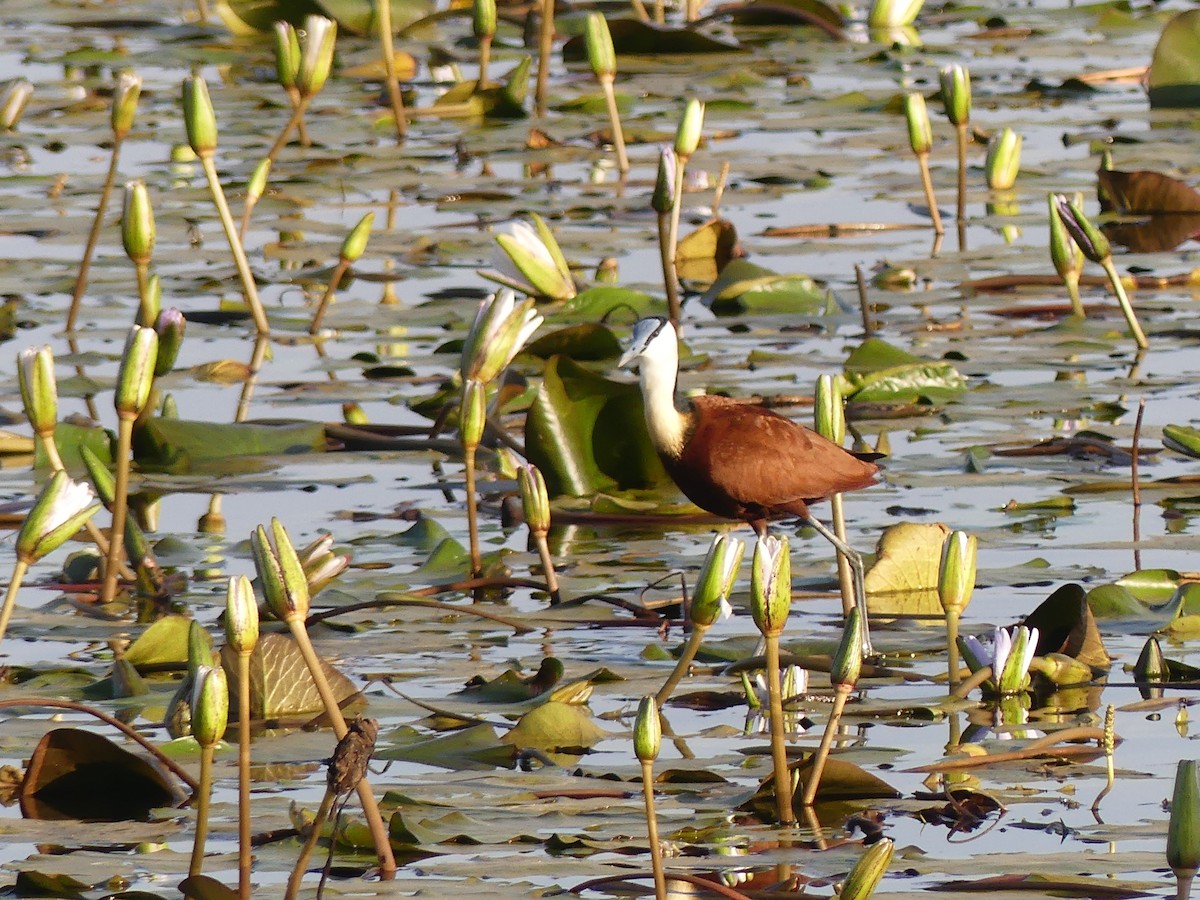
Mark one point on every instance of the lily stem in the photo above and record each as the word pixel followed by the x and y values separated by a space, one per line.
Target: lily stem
pixel 1072 283
pixel 120 508
pixel 660 880
pixel 783 778
pixel 89 250
pixel 952 618
pixel 10 598
pixel 387 46
pixel 614 119
pixel 545 51
pixel 681 667
pixel 845 575
pixel 296 120
pixel 244 846
pixel 1131 318
pixel 841 692
pixel 146 313
pixel 676 207
pixel 548 568
pixel 1183 885
pixel 379 835
pixel 670 283
pixel 314 834
pixel 961 134
pixel 334 280
pixel 930 198
pixel 472 511
pixel 204 796
pixel 485 57
pixel 249 288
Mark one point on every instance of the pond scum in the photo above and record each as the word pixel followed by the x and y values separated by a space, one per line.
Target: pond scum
pixel 413 699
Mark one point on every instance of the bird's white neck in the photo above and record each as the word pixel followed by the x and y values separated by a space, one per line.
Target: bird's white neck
pixel 658 372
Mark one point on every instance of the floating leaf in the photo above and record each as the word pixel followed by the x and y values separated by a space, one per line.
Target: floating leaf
pixel 205 887
pixel 280 683
pixel 703 254
pixel 1066 625
pixel 840 780
pixel 1174 76
pixel 637 38
pixel 556 727
pixel 164 643
pixel 587 433
pixel 248 17
pixel 77 774
pixel 179 444
pixel 1145 193
pixel 906 384
pixel 601 301
pixel 587 341
pixel 1182 439
pixel 904 578
pixel 510 687
pixel 477 745
pixel 744 286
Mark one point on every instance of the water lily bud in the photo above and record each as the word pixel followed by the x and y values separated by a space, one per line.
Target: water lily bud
pixel 316 57
pixel 58 513
pixel 1061 669
pixel 287 54
pixel 647 730
pixel 472 414
pixel 355 244
pixel 847 662
pixel 1012 674
pixel 956 575
pixel 136 375
pixel 860 884
pixel 533 262
pixel 1088 237
pixel 321 565
pixel 710 599
pixel 534 498
pixel 137 223
pixel 199 648
pixel 241 615
pixel 607 271
pixel 13 102
pixel 257 185
pixel 956 93
pixel 280 573
pixel 483 18
pixel 169 326
pixel 1183 828
pixel 210 706
pixel 687 136
pixel 124 103
pixel 600 50
pixel 39 388
pixel 1064 253
pixel 1150 665
pixel 198 116
pixel 828 411
pixel 893 13
pixel 501 328
pixel 920 132
pixel 771 585
pixel 1003 160
pixel 663 198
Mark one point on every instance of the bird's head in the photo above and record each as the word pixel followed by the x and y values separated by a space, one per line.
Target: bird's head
pixel 652 338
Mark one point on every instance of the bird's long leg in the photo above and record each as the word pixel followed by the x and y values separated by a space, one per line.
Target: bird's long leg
pixel 854 558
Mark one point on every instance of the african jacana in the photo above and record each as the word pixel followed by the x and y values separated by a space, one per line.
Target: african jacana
pixel 738 460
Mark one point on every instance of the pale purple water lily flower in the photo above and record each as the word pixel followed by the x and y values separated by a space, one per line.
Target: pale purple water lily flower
pixel 528 259
pixel 1008 654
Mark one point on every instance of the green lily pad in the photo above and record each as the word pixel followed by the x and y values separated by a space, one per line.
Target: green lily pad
pixel 637 38
pixel 555 727
pixel 587 433
pixel 587 341
pixel 164 643
pixel 903 581
pixel 1174 76
pixel 743 286
pixel 179 444
pixel 601 301
pixel 1182 439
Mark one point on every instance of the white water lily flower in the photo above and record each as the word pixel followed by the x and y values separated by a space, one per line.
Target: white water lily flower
pixel 62 507
pixel 528 259
pixel 500 330
pixel 710 600
pixel 321 565
pixel 1009 655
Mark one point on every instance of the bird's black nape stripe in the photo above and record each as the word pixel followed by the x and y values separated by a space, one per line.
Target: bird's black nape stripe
pixel 662 322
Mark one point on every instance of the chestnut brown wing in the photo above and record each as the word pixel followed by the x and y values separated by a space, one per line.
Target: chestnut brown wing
pixel 759 458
